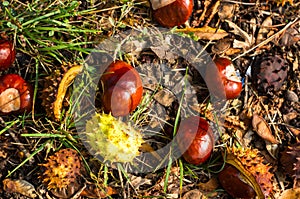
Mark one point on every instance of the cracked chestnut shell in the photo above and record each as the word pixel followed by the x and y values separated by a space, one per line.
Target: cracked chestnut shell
pixel 122 90
pixel 7 54
pixel 195 140
pixel 231 82
pixel 232 181
pixel 171 13
pixel 15 94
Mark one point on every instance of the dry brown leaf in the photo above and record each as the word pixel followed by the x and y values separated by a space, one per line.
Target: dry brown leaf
pixel 264 30
pixel 295 131
pixel 193 194
pixel 290 116
pixel 3 154
pixel 19 186
pixel 232 51
pixel 137 181
pixel 221 46
pixel 165 97
pixel 290 194
pixel 238 31
pixel 226 10
pixel 210 185
pixel 206 33
pixel 91 191
pixel 262 129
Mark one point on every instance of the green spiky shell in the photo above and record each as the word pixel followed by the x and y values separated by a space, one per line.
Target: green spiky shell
pixel 112 139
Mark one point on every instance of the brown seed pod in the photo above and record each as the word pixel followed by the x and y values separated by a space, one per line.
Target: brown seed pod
pixel 250 163
pixel 55 88
pixel 269 73
pixel 61 169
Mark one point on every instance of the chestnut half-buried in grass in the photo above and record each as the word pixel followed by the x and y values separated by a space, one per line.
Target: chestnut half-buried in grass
pixel 7 54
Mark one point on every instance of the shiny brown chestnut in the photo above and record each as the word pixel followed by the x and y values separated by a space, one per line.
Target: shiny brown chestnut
pixel 195 140
pixel 231 82
pixel 170 13
pixel 122 90
pixel 232 181
pixel 7 54
pixel 15 94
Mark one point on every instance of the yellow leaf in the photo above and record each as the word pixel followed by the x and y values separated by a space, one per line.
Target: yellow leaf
pixel 206 32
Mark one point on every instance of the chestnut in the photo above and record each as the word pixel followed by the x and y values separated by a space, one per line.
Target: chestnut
pixel 122 88
pixel 15 94
pixel 7 54
pixel 170 13
pixel 232 181
pixel 195 140
pixel 231 82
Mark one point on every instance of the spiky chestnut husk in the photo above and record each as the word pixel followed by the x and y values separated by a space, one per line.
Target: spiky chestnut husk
pixel 49 91
pixel 61 169
pixel 55 87
pixel 112 139
pixel 252 166
pixel 290 160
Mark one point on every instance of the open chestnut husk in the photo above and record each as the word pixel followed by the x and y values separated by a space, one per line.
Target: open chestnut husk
pixel 15 94
pixel 232 181
pixel 195 140
pixel 252 171
pixel 122 89
pixel 7 54
pixel 170 13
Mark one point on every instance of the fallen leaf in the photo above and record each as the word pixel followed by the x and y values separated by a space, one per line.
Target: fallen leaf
pixel 137 181
pixel 238 31
pixel 210 185
pixel 193 194
pixel 290 116
pixel 226 10
pixel 221 46
pixel 206 32
pixel 295 131
pixel 290 194
pixel 264 30
pixel 19 186
pixel 165 97
pixel 262 129
pixel 91 191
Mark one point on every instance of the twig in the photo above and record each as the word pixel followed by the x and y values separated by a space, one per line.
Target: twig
pixel 243 3
pixel 268 39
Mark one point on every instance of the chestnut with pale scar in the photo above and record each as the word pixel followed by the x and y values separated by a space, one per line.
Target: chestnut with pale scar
pixel 15 94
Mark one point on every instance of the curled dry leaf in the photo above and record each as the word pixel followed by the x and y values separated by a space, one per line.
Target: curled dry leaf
pixel 206 33
pixel 262 129
pixel 264 30
pixel 19 186
pixel 249 40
